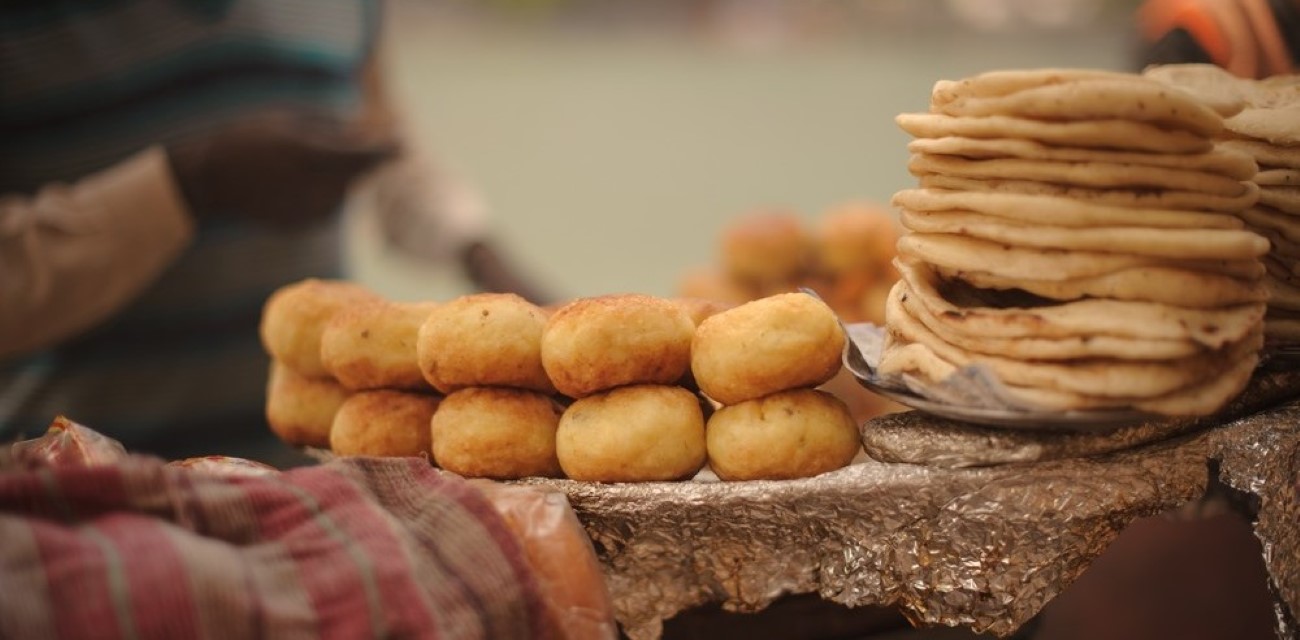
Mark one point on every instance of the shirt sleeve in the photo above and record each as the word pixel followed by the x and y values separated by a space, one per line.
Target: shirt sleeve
pixel 74 254
pixel 424 211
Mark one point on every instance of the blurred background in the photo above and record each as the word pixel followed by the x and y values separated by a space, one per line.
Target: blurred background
pixel 613 139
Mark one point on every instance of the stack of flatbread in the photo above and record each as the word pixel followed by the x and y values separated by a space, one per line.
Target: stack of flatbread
pixel 1266 126
pixel 1077 233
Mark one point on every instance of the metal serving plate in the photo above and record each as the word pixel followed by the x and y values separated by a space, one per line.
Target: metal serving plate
pixel 1075 421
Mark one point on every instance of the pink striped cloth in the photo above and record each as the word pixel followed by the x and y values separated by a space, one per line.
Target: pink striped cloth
pixel 362 548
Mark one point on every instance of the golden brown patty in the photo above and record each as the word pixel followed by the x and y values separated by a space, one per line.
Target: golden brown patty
pixel 294 318
pixel 372 346
pixel 301 410
pixel 484 432
pixel 768 345
pixel 383 423
pixel 594 344
pixel 633 434
pixel 792 434
pixel 486 339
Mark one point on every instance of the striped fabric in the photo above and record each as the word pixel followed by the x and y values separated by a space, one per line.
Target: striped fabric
pixel 364 548
pixel 86 83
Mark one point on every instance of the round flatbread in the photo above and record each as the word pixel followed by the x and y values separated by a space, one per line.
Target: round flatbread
pixel 1132 198
pixel 1286 225
pixel 1096 376
pixel 1280 247
pixel 968 310
pixel 1280 270
pixel 1275 125
pixel 1177 287
pixel 1057 210
pixel 1283 295
pixel 1267 155
pixel 1222 91
pixel 1064 348
pixel 1008 81
pixel 899 358
pixel 1225 162
pixel 1287 199
pixel 1189 244
pixel 1082 174
pixel 1091 134
pixel 1130 98
pixel 1203 398
pixel 965 253
pixel 1278 178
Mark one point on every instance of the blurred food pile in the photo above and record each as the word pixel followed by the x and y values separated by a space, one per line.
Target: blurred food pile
pixel 845 256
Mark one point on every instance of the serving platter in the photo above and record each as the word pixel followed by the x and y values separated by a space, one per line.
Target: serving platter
pixel 1010 418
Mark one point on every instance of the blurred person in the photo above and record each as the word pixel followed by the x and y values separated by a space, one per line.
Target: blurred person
pixel 168 164
pixel 1249 38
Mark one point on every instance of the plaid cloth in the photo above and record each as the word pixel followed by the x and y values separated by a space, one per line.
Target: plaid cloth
pixel 360 548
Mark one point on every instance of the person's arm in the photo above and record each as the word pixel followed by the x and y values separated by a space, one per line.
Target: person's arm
pixel 430 215
pixel 73 254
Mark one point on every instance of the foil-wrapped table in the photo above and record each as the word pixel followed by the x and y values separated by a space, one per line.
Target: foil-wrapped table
pixel 950 523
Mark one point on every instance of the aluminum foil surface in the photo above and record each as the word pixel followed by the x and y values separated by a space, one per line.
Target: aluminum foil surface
pixel 917 438
pixel 981 540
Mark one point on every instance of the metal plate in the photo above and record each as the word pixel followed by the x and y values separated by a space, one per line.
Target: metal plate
pixel 1077 421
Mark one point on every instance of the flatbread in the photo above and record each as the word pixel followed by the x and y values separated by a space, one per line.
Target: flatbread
pixel 1266 154
pixel 1286 199
pixel 965 253
pixel 1004 82
pixel 1222 91
pixel 1133 198
pixel 1203 398
pixel 1130 98
pixel 1279 246
pixel 1057 210
pixel 1285 225
pixel 1082 174
pixel 1275 125
pixel 1225 162
pixel 1095 376
pixel 1278 269
pixel 957 305
pixel 1283 295
pixel 1177 287
pixel 1189 244
pixel 1091 134
pixel 1065 348
pixel 898 358
pixel 1278 178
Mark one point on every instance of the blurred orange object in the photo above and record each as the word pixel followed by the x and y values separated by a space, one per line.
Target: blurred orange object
pixel 766 249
